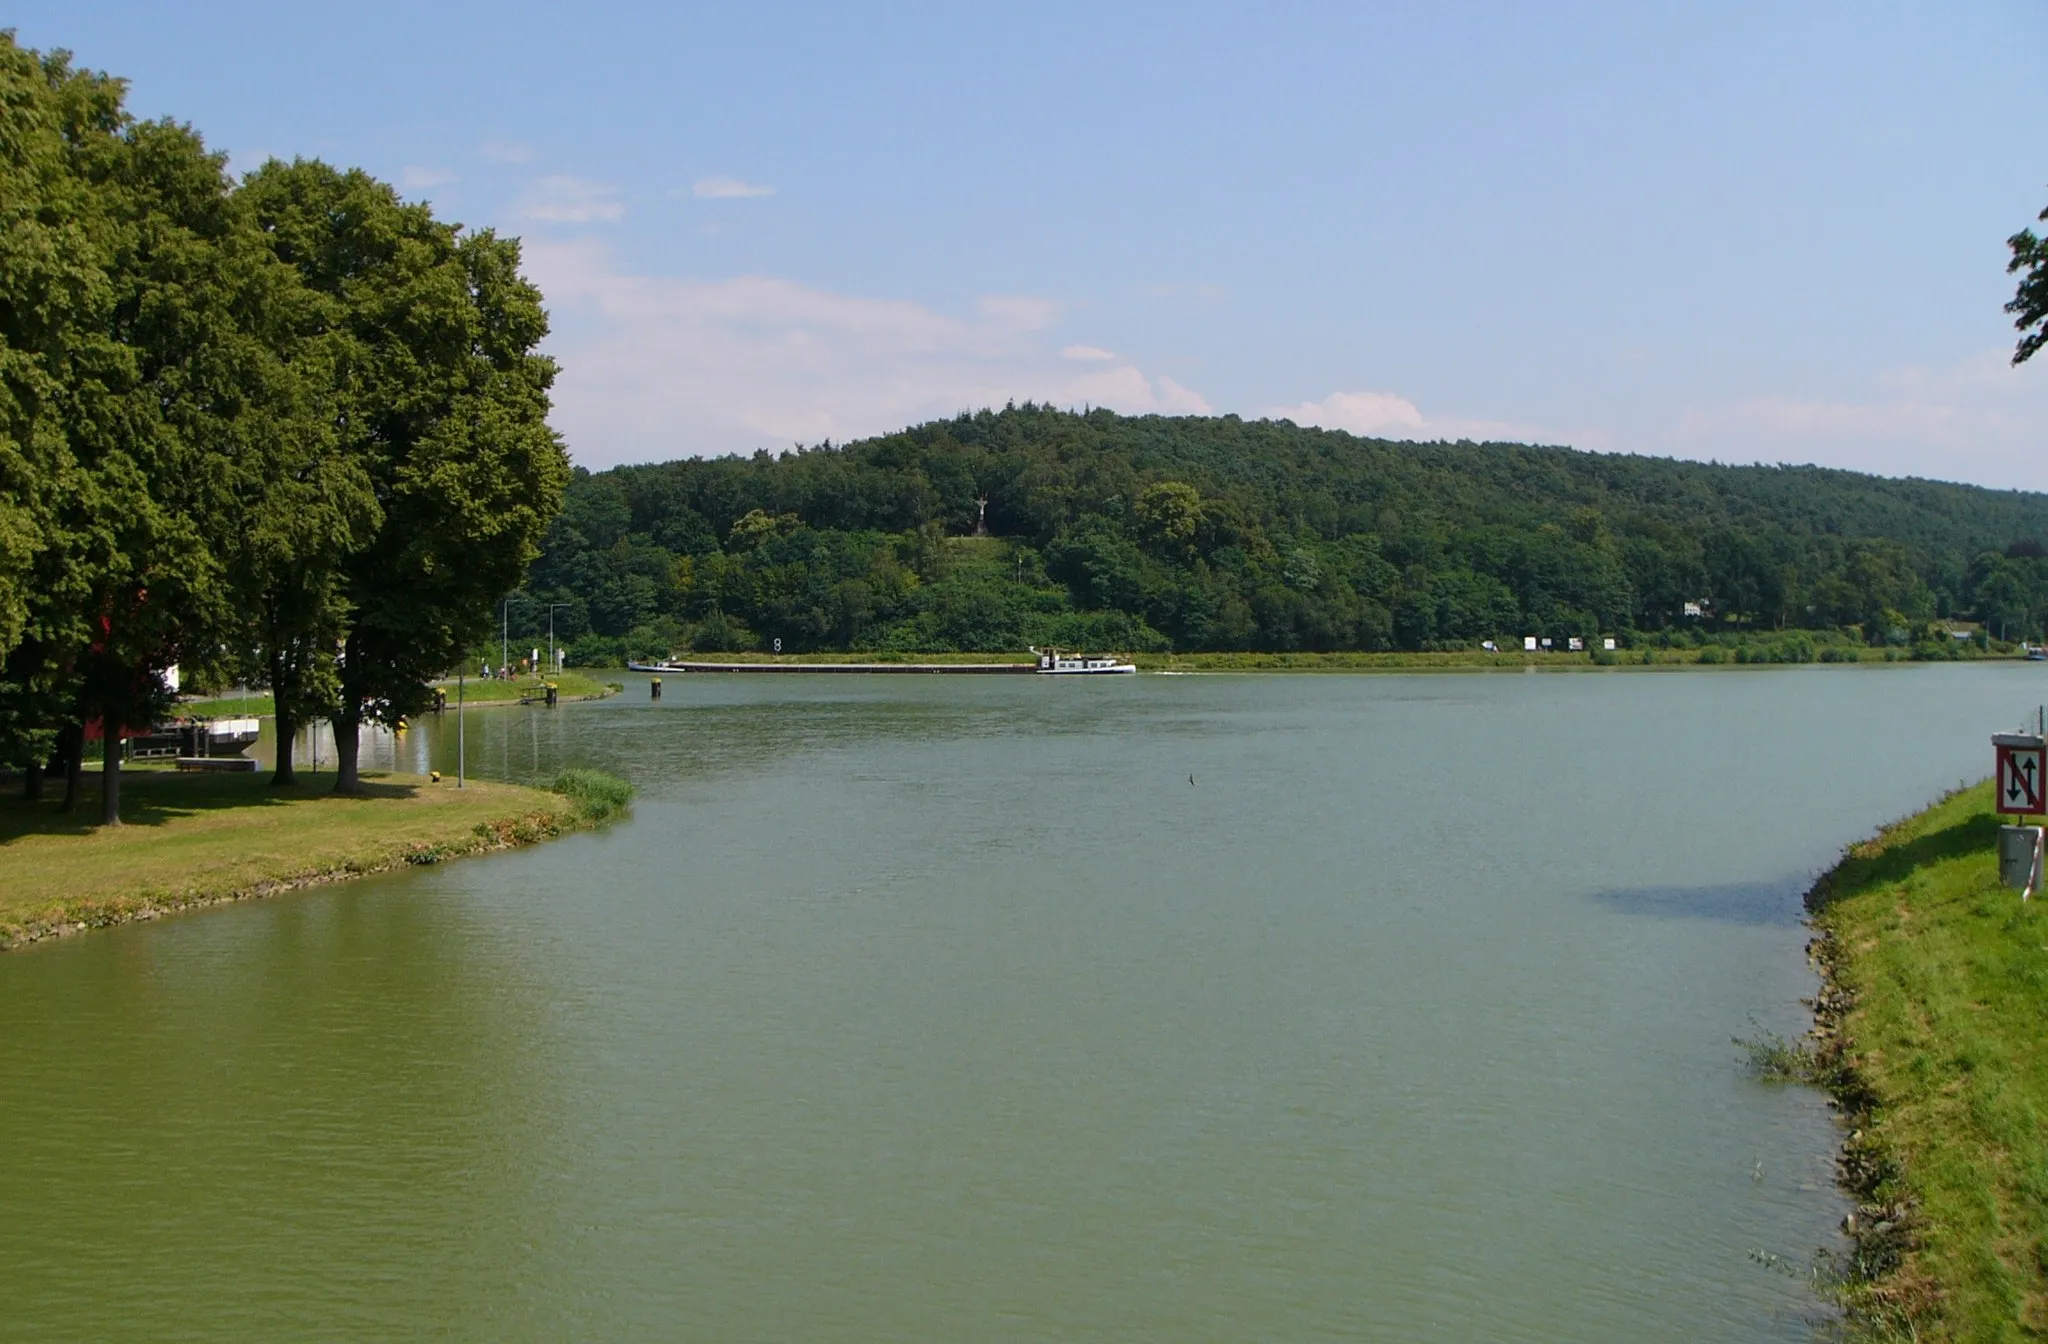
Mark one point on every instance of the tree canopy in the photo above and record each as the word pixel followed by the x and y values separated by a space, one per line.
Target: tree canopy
pixel 1219 533
pixel 291 429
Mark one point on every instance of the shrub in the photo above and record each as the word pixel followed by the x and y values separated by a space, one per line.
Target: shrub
pixel 1835 653
pixel 1713 653
pixel 596 794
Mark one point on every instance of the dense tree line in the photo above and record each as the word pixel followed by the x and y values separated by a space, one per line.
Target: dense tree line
pixel 1224 534
pixel 289 431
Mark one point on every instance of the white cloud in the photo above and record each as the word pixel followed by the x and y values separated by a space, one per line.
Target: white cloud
pixel 1977 420
pixel 1092 353
pixel 1018 312
pixel 657 367
pixel 506 151
pixel 722 188
pixel 572 200
pixel 419 177
pixel 1384 415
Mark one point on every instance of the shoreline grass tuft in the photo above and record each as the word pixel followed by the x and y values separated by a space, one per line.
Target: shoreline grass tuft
pixel 1775 1059
pixel 597 796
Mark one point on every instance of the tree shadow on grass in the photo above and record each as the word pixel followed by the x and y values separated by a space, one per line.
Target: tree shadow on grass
pixel 157 797
pixel 1876 863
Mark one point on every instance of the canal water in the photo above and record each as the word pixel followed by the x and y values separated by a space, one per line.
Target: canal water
pixel 1157 1008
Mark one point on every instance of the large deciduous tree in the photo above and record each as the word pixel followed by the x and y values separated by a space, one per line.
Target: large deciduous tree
pixel 133 374
pixel 198 394
pixel 2029 305
pixel 442 404
pixel 55 303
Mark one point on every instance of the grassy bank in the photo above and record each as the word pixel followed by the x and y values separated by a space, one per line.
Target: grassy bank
pixel 199 839
pixel 1480 659
pixel 1459 661
pixel 1934 1036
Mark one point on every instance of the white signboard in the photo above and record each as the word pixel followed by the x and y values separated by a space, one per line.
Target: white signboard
pixel 2022 778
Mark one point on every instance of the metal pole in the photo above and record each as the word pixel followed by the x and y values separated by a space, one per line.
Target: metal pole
pixel 504 633
pixel 553 607
pixel 461 730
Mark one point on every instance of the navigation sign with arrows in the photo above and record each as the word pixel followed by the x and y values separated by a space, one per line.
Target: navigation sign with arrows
pixel 2022 780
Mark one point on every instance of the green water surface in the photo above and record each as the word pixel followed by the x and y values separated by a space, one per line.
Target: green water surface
pixel 929 1008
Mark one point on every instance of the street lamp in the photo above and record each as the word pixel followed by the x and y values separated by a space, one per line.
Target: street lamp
pixel 552 608
pixel 505 630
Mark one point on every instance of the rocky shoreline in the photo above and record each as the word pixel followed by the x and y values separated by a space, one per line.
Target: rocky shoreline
pixel 1881 1231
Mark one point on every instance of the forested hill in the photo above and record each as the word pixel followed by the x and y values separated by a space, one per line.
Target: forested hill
pixel 1217 533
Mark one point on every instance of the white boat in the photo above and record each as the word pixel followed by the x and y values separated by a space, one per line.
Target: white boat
pixel 1053 663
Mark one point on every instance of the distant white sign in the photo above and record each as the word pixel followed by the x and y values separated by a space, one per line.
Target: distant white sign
pixel 1608 643
pixel 1577 643
pixel 1529 643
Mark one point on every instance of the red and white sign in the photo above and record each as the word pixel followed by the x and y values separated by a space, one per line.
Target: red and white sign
pixel 2022 779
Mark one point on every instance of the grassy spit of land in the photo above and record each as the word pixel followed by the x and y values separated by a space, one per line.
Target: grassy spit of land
pixel 568 686
pixel 1933 1036
pixel 198 839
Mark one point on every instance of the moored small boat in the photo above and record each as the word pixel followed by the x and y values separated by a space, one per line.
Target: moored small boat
pixel 1053 663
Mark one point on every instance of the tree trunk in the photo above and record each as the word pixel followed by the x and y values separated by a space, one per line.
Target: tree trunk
pixel 286 774
pixel 110 773
pixel 71 749
pixel 287 725
pixel 347 745
pixel 32 781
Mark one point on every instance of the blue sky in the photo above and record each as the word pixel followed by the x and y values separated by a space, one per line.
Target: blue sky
pixel 1717 231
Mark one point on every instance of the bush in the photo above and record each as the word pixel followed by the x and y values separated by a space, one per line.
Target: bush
pixel 596 651
pixel 1835 653
pixel 596 794
pixel 1713 653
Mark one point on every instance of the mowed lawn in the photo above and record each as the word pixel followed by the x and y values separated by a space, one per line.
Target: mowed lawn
pixel 1949 1031
pixel 189 838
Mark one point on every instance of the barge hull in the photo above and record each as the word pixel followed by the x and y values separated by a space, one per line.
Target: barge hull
pixel 963 669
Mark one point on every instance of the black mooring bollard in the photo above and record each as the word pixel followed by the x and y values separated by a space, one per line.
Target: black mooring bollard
pixel 654 689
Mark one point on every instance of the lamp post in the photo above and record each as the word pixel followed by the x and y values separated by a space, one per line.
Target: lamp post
pixel 505 629
pixel 552 608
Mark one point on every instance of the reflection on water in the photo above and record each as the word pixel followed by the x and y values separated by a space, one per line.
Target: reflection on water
pixel 1779 902
pixel 932 1008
